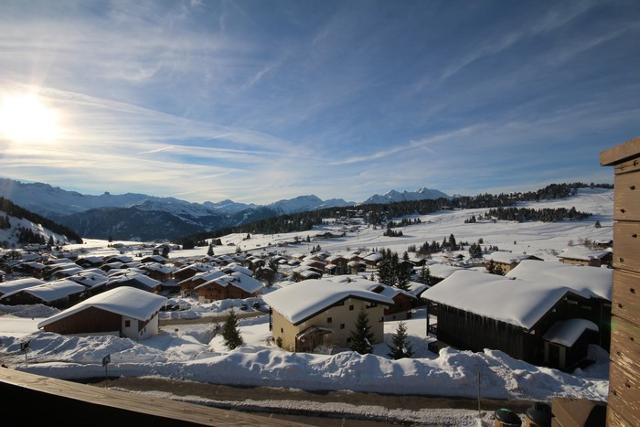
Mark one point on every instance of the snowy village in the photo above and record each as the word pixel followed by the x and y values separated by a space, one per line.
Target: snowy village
pixel 354 213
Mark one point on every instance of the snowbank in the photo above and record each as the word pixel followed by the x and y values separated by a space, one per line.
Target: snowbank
pixel 452 373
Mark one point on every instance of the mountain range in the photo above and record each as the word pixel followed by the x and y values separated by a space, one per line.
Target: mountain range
pixel 144 217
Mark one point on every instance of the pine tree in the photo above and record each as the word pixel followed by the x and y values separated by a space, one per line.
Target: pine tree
pixel 210 250
pixel 404 273
pixel 231 333
pixel 400 347
pixel 50 242
pixel 598 225
pixel 425 275
pixel 362 337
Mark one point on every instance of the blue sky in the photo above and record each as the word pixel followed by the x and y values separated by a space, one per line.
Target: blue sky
pixel 261 100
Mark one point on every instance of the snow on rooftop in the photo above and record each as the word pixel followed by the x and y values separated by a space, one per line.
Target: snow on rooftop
pixel 567 332
pixel 124 300
pixel 138 277
pixel 237 279
pixel 583 253
pixel 89 279
pixel 302 300
pixel 588 282
pixel 514 301
pixel 53 291
pixel 506 257
pixel 442 271
pixel 19 284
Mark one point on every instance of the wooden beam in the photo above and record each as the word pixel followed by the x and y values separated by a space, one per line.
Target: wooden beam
pixel 49 399
pixel 621 152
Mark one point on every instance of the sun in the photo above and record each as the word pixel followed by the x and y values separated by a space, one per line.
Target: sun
pixel 25 118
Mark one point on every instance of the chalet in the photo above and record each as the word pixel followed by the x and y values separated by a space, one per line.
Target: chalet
pixel 403 301
pixel 234 285
pixel 340 264
pixel 593 282
pixel 502 262
pixel 118 258
pixel 135 280
pixel 305 272
pixel 66 272
pixel 59 294
pixel 157 271
pixel 189 271
pixel 316 313
pixel 581 255
pixel 94 282
pixel 12 286
pixel 124 311
pixel 90 261
pixel 188 285
pixel 154 259
pixel 439 272
pixel 534 320
pixel 236 268
pixel 32 268
pixel 356 267
pixel 50 269
pixel 372 259
pixel 115 265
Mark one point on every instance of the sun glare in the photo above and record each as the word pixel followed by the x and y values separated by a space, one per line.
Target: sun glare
pixel 26 119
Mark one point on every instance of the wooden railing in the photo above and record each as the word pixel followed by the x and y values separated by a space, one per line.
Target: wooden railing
pixel 29 399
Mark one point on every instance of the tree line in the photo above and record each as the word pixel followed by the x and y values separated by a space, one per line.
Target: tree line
pixel 380 214
pixel 14 210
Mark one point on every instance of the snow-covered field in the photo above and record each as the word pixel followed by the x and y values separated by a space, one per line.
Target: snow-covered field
pixel 191 351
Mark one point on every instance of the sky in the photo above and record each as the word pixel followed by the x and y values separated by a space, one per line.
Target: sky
pixel 262 100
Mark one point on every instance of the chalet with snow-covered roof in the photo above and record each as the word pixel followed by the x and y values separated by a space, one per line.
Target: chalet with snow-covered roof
pixel 188 285
pixel 59 294
pixel 157 271
pixel 321 313
pixel 154 259
pixel 90 261
pixel 581 255
pixel 594 282
pixel 135 280
pixel 537 319
pixel 305 272
pixel 502 262
pixel 93 281
pixel 438 272
pixel 31 268
pixel 190 270
pixel 122 311
pixel 235 285
pixel 372 259
pixel 12 286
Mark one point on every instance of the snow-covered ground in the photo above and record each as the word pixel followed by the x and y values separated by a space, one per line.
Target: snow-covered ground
pixel 192 352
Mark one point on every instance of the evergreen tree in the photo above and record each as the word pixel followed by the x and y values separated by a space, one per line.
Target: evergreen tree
pixel 50 243
pixel 452 243
pixel 404 273
pixel 400 347
pixel 362 337
pixel 210 250
pixel 231 333
pixel 425 275
pixel 598 225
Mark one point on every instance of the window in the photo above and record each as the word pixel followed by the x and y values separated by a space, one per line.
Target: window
pixel 329 319
pixel 351 308
pixel 371 305
pixel 127 323
pixel 341 325
pixel 349 340
pixel 282 330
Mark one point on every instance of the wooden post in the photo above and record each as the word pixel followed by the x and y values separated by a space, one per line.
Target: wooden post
pixel 479 412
